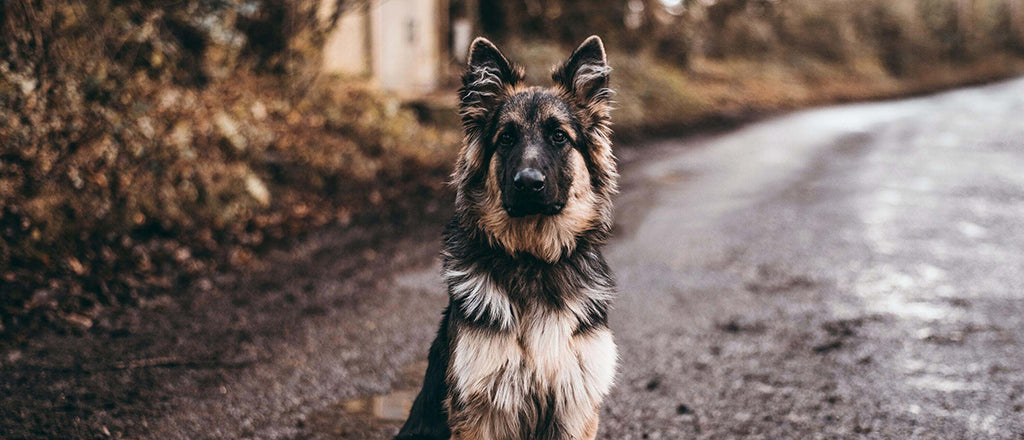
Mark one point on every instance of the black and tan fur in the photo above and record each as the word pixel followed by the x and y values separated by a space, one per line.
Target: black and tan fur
pixel 524 350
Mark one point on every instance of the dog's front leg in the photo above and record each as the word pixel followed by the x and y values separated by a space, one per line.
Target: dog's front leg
pixel 428 419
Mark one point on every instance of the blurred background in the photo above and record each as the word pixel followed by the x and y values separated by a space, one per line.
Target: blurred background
pixel 155 155
pixel 146 143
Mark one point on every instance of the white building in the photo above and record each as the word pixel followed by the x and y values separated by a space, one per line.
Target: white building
pixel 404 46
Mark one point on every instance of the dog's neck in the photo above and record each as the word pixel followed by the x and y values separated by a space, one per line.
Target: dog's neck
pixel 493 288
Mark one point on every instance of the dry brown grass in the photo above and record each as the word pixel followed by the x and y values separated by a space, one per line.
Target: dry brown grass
pixel 129 166
pixel 709 61
pixel 659 98
pixel 655 96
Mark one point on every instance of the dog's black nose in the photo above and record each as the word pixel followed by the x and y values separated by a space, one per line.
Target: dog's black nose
pixel 529 179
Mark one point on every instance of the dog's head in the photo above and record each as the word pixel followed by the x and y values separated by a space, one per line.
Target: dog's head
pixel 537 169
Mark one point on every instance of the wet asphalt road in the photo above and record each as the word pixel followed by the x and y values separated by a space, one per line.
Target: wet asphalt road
pixel 846 272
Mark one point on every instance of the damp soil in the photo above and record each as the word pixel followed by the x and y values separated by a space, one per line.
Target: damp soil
pixel 847 272
pixel 226 349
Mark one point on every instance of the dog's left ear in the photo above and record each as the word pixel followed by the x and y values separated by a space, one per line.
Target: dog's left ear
pixel 585 74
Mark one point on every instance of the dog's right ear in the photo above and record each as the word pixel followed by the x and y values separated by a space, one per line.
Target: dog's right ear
pixel 585 74
pixel 489 77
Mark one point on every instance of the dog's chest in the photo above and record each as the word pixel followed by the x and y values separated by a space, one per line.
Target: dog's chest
pixel 540 359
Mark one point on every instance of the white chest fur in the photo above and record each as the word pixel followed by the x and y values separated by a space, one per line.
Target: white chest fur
pixel 538 358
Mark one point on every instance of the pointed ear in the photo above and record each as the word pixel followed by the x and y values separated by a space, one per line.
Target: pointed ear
pixel 483 53
pixel 585 74
pixel 488 78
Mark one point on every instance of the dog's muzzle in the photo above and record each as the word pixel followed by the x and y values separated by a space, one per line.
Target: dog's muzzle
pixel 530 195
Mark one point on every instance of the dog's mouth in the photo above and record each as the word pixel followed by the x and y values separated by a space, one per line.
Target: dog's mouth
pixel 527 209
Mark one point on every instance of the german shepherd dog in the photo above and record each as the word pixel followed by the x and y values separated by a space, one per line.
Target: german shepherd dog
pixel 524 350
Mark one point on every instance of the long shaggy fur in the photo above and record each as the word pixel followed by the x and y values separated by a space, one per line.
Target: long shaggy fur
pixel 524 350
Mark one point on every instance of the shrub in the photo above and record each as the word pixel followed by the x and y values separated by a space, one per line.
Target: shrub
pixel 130 164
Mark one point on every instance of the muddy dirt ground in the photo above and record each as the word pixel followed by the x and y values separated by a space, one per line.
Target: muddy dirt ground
pixel 845 272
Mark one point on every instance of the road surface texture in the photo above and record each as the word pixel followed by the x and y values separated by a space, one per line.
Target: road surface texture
pixel 846 272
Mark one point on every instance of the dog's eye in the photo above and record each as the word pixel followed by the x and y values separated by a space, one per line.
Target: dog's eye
pixel 505 139
pixel 559 137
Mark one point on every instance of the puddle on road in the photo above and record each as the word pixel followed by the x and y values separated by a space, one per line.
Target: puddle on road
pixel 361 418
pixel 368 416
pixel 393 407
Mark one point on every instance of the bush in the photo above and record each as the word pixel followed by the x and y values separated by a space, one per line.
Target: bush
pixel 131 164
pixel 887 31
